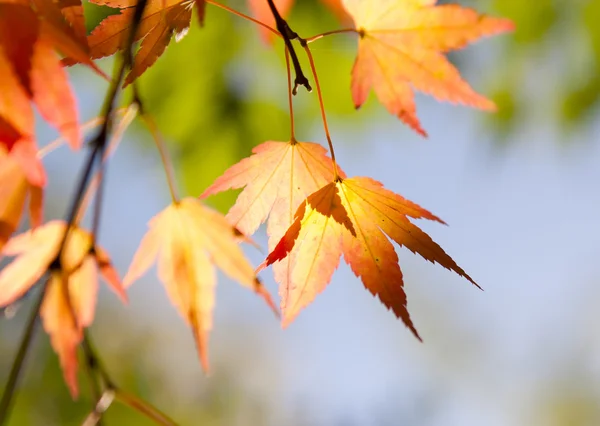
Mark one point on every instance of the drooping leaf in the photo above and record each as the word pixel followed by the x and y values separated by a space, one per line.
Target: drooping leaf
pixel 402 45
pixel 69 302
pixel 355 217
pixel 14 190
pixel 52 93
pixel 276 179
pixel 188 238
pixel 63 25
pixel 39 74
pixel 15 110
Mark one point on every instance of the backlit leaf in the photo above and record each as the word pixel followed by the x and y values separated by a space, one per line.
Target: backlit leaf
pixel 162 19
pixel 14 190
pixel 187 239
pixel 355 217
pixel 69 303
pixel 402 45
pixel 276 180
pixel 39 74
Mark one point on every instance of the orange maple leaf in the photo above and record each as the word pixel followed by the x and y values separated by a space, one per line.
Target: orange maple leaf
pixel 31 71
pixel 402 45
pixel 72 11
pixel 14 189
pixel 276 180
pixel 188 238
pixel 161 20
pixel 352 217
pixel 69 303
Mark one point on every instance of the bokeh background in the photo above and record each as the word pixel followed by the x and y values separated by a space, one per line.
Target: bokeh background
pixel 518 188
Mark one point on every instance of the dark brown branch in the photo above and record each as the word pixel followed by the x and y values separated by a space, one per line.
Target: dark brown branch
pixel 288 36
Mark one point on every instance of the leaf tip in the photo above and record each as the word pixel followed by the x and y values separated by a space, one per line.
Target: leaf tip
pixel 201 339
pixel 262 291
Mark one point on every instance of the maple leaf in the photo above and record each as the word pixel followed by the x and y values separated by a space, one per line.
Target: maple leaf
pixel 260 10
pixel 72 11
pixel 14 189
pixel 161 20
pixel 62 23
pixel 187 238
pixel 276 179
pixel 69 301
pixel 402 45
pixel 31 71
pixel 355 217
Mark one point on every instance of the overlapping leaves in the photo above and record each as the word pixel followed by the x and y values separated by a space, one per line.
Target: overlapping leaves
pixel 277 179
pixel 307 237
pixel 69 302
pixel 161 20
pixel 353 217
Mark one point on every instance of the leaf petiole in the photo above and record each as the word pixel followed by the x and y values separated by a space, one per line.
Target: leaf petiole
pixel 328 33
pixel 244 16
pixel 290 100
pixel 336 175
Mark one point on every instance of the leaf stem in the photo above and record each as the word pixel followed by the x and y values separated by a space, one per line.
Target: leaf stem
pixel 164 156
pixel 60 141
pixel 128 116
pixel 244 16
pixel 113 392
pixel 327 33
pixel 290 100
pixel 141 406
pixel 336 175
pixel 17 365
pixel 102 404
pixel 94 362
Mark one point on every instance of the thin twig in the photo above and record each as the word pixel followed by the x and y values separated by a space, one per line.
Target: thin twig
pixel 288 36
pixel 129 114
pixel 243 15
pixel 17 365
pixel 104 402
pixel 164 156
pixel 141 406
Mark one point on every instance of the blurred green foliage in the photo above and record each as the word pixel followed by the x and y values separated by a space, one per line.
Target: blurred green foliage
pixel 550 65
pixel 43 399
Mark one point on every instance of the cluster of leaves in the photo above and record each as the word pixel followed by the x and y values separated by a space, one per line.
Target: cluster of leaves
pixel 314 212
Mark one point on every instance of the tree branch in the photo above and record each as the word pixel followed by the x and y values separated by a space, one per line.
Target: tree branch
pixel 289 35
